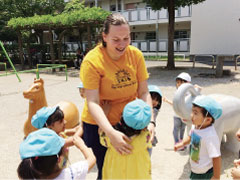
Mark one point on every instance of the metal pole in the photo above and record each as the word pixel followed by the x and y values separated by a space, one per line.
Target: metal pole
pixel 10 61
pixel 66 72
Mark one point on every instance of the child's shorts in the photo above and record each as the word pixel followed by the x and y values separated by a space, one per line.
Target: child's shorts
pixel 207 175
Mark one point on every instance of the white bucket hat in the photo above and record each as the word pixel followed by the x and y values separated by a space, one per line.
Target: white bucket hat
pixel 184 76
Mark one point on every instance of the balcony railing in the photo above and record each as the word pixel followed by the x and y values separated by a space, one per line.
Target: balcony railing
pixel 148 14
pixel 180 45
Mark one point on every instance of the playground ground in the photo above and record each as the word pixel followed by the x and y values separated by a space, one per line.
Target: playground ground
pixel 166 164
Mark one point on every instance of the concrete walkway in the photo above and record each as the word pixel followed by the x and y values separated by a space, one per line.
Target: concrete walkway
pixel 166 164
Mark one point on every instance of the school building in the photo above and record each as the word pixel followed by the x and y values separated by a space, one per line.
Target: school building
pixel 209 28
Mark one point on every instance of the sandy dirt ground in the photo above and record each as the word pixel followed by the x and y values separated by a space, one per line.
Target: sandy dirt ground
pixel 166 164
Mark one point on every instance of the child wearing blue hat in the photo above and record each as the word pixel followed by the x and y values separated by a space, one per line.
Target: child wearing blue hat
pixel 205 155
pixel 42 154
pixel 53 118
pixel 81 90
pixel 135 119
pixel 156 96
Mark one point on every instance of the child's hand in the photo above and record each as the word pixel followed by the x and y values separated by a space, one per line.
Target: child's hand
pixel 235 173
pixel 236 162
pixel 77 141
pixel 178 146
pixel 197 87
pixel 164 99
pixel 106 106
pixel 79 130
pixel 238 135
pixel 167 100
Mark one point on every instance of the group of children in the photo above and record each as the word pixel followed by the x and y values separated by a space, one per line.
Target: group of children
pixel 44 153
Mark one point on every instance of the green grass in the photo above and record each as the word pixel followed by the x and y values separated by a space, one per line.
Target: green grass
pixel 165 58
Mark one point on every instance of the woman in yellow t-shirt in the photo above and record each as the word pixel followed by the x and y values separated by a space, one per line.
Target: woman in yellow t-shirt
pixel 113 71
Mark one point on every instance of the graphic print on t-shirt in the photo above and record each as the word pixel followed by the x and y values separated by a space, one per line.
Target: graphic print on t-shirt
pixel 195 147
pixel 123 78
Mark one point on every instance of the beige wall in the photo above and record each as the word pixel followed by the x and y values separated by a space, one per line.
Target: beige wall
pixel 215 27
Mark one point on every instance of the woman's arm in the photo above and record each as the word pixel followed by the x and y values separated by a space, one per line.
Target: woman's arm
pixel 118 139
pixel 144 94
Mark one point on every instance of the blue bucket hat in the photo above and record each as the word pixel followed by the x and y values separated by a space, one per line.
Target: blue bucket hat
pixel 137 114
pixel 80 85
pixel 43 142
pixel 154 88
pixel 210 105
pixel 40 118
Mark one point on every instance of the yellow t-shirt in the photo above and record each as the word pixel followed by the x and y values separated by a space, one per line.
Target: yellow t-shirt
pixel 136 165
pixel 117 80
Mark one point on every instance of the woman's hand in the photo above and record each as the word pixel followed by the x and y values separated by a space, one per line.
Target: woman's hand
pixel 120 142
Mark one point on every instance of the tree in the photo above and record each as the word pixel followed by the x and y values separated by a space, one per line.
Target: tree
pixel 171 5
pixel 69 20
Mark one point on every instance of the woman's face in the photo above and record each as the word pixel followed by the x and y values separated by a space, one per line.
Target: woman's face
pixel 117 40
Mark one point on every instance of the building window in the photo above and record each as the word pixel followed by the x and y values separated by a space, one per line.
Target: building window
pixel 130 6
pixel 181 34
pixel 150 35
pixel 113 7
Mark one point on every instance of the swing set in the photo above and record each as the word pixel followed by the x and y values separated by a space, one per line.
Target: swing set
pixel 45 66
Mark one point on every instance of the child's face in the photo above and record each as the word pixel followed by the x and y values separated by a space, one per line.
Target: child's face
pixel 198 119
pixel 179 83
pixel 58 126
pixel 154 102
pixel 82 92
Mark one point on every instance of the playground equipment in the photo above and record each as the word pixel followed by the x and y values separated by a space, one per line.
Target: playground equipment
pixel 9 60
pixel 37 100
pixel 46 66
pixel 227 124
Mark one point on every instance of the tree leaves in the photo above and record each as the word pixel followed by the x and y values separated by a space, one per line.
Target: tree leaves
pixel 75 17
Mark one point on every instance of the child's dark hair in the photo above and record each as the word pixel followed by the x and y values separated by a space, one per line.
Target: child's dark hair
pixel 56 116
pixel 205 113
pixel 115 19
pixel 38 167
pixel 180 79
pixel 158 98
pixel 124 128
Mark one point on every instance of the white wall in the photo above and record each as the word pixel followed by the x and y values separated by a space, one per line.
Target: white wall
pixel 215 27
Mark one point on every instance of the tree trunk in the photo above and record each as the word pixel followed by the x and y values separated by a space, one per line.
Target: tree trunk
pixel 171 19
pixel 89 36
pixel 60 46
pixel 20 47
pixel 52 54
pixel 80 39
pixel 29 58
pixel 43 51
